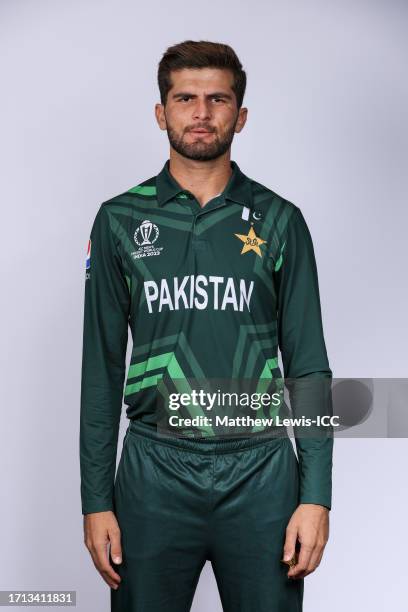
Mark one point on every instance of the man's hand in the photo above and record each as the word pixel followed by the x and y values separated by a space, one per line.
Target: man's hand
pixel 310 525
pixel 100 528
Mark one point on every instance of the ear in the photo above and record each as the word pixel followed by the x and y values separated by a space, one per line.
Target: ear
pixel 160 116
pixel 242 117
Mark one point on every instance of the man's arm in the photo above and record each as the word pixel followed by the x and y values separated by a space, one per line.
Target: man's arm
pixel 105 334
pixel 304 356
pixel 308 376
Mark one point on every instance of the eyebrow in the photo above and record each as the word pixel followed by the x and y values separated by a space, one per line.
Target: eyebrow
pixel 216 94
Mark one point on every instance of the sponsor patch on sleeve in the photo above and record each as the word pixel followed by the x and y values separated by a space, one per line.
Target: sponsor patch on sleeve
pixel 88 261
pixel 88 255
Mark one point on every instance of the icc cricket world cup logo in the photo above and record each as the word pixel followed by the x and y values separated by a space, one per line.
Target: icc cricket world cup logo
pixel 147 233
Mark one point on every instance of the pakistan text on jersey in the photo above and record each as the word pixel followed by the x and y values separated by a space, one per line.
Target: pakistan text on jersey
pixel 200 292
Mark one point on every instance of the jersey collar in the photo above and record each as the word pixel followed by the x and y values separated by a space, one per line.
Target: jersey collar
pixel 238 188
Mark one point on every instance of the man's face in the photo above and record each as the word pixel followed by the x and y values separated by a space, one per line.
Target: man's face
pixel 201 114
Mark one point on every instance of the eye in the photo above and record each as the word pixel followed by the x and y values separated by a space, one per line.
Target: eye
pixel 185 98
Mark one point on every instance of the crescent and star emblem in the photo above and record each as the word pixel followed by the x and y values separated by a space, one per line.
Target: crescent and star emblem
pixel 251 241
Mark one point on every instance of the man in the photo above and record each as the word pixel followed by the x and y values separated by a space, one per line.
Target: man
pixel 212 271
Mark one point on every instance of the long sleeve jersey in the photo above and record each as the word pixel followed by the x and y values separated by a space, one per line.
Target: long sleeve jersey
pixel 208 292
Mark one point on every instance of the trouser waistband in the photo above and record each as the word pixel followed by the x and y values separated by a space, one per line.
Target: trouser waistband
pixel 206 445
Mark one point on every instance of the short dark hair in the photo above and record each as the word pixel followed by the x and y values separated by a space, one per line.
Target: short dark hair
pixel 200 54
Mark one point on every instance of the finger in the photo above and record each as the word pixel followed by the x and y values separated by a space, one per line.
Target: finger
pixel 109 575
pixel 104 574
pixel 290 543
pixel 301 566
pixel 102 564
pixel 111 583
pixel 320 556
pixel 314 561
pixel 317 555
pixel 115 545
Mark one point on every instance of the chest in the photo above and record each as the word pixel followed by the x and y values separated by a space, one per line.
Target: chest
pixel 220 258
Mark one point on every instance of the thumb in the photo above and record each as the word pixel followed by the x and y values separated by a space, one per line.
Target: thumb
pixel 115 546
pixel 290 544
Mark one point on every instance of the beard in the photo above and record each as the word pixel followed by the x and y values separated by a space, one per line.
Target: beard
pixel 200 150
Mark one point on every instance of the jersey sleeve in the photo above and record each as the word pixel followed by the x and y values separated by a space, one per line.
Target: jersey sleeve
pixel 105 334
pixel 304 358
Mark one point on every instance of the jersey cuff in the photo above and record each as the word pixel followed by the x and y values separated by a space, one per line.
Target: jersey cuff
pixel 96 506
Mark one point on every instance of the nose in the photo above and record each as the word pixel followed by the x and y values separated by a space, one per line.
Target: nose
pixel 201 109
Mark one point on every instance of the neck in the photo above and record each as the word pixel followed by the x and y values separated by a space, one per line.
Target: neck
pixel 205 179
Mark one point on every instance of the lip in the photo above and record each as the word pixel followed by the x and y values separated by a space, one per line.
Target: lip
pixel 200 132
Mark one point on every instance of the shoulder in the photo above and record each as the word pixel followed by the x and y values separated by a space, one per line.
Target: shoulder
pixel 274 206
pixel 283 222
pixel 142 193
pixel 278 212
pixel 116 214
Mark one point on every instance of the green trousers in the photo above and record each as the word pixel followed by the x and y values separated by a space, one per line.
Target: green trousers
pixel 181 501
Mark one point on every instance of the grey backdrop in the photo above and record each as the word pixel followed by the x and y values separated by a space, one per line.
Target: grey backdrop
pixel 327 129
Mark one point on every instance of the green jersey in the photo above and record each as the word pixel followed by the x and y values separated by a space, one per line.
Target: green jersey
pixel 208 292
